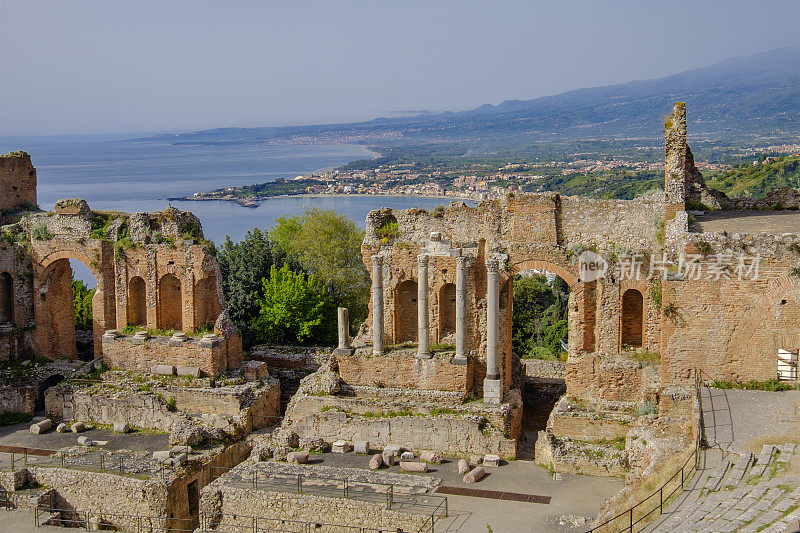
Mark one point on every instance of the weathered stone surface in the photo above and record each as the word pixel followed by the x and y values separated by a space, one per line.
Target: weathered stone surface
pixel 255 370
pixel 388 458
pixel 361 447
pixel 474 475
pixel 190 371
pixel 163 370
pixel 77 427
pixel 162 455
pixel 340 446
pixel 297 457
pixel 85 441
pixel 413 466
pixel 491 460
pixel 121 427
pixel 376 461
pixel 41 427
pixel 313 444
pixel 463 466
pixel 62 428
pixel 407 456
pixel 431 457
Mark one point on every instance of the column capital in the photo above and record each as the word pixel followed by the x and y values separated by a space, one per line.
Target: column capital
pixel 423 259
pixel 493 266
pixel 461 261
pixel 377 260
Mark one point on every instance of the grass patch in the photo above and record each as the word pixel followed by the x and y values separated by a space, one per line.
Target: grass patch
pixel 441 347
pixel 772 385
pixel 11 419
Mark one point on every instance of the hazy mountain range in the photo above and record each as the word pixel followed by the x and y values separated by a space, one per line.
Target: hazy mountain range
pixel 757 94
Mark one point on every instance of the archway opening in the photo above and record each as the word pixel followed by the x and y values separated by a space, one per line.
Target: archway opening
pixel 206 304
pixel 72 314
pixel 540 337
pixel 137 302
pixel 447 312
pixel 50 381
pixel 405 312
pixel 632 319
pixel 6 298
pixel 170 308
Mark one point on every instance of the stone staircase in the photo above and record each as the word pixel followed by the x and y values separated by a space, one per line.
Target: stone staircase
pixel 742 493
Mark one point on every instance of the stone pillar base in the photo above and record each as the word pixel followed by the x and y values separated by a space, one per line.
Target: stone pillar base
pixel 344 351
pixel 460 360
pixel 492 391
pixel 423 355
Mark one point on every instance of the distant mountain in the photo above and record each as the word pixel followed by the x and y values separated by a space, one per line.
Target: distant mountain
pixel 757 94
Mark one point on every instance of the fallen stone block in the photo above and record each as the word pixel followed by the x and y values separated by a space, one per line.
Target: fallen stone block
pixel 41 427
pixel 394 448
pixel 179 459
pixel 491 459
pixel 77 427
pixel 85 441
pixel 413 466
pixel 255 370
pixel 62 428
pixel 407 456
pixel 376 461
pixel 161 456
pixel 388 458
pixel 179 449
pixel 162 370
pixel 99 442
pixel 340 446
pixel 474 475
pixel 475 459
pixel 298 458
pixel 361 447
pixel 431 457
pixel 463 467
pixel 188 371
pixel 121 427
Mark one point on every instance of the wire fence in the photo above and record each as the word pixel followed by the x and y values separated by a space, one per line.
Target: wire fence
pixel 652 506
pixel 93 461
pixel 232 523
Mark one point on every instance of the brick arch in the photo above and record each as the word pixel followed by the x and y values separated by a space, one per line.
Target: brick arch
pixel 170 302
pixel 541 264
pixel 47 260
pixel 137 301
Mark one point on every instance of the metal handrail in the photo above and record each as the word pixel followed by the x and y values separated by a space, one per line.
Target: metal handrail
pixel 685 474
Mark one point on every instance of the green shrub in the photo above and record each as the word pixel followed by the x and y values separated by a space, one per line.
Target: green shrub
pixel 41 233
pixel 772 385
pixel 10 419
pixel 646 408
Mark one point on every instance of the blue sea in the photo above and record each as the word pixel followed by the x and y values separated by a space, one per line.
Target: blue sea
pixel 135 176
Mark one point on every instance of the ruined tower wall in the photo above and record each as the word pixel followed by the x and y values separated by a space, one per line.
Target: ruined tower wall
pixel 17 181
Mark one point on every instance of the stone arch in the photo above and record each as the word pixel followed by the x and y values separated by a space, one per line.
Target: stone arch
pixel 405 311
pixel 206 303
pixel 170 300
pixel 6 298
pixel 48 382
pixel 632 326
pixel 137 302
pixel 542 264
pixel 447 310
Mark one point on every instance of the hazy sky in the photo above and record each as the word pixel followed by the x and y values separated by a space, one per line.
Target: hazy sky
pixel 135 65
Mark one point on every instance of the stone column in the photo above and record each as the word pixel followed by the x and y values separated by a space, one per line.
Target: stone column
pixel 377 305
pixel 461 311
pixel 492 390
pixel 423 329
pixel 344 333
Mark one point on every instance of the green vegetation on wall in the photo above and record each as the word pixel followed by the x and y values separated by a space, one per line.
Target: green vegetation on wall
pixel 540 316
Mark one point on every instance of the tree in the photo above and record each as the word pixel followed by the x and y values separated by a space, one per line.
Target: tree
pixel 82 301
pixel 293 309
pixel 244 265
pixel 540 316
pixel 328 245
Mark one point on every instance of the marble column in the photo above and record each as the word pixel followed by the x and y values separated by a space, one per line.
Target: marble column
pixel 423 328
pixel 343 321
pixel 461 310
pixel 492 390
pixel 377 305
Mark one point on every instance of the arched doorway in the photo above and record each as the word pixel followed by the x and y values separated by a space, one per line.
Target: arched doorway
pixel 170 308
pixel 50 381
pixel 137 302
pixel 632 330
pixel 6 298
pixel 206 303
pixel 447 311
pixel 540 335
pixel 70 315
pixel 405 311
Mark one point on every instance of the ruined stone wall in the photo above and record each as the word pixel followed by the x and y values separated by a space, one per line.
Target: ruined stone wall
pixel 126 353
pixel 17 181
pixel 611 378
pixel 401 369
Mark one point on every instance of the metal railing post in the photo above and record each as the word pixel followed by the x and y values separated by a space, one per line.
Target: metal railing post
pixel 631 514
pixel 299 483
pixel 661 500
pixel 345 488
pixel 26 456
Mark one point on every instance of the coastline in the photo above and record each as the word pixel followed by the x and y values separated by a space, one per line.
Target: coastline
pixel 254 203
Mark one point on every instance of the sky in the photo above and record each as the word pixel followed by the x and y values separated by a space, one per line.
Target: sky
pixel 87 67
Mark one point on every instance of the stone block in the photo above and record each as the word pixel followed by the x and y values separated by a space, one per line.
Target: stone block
pixel 492 391
pixel 162 370
pixel 413 466
pixel 475 459
pixel 407 456
pixel 62 428
pixel 121 427
pixel 376 461
pixel 394 448
pixel 179 449
pixel 361 447
pixel 299 458
pixel 162 455
pixel 179 459
pixel 85 441
pixel 188 371
pixel 255 370
pixel 340 446
pixel 491 459
pixel 77 427
pixel 431 457
pixel 463 467
pixel 41 427
pixel 474 475
pixel 388 458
